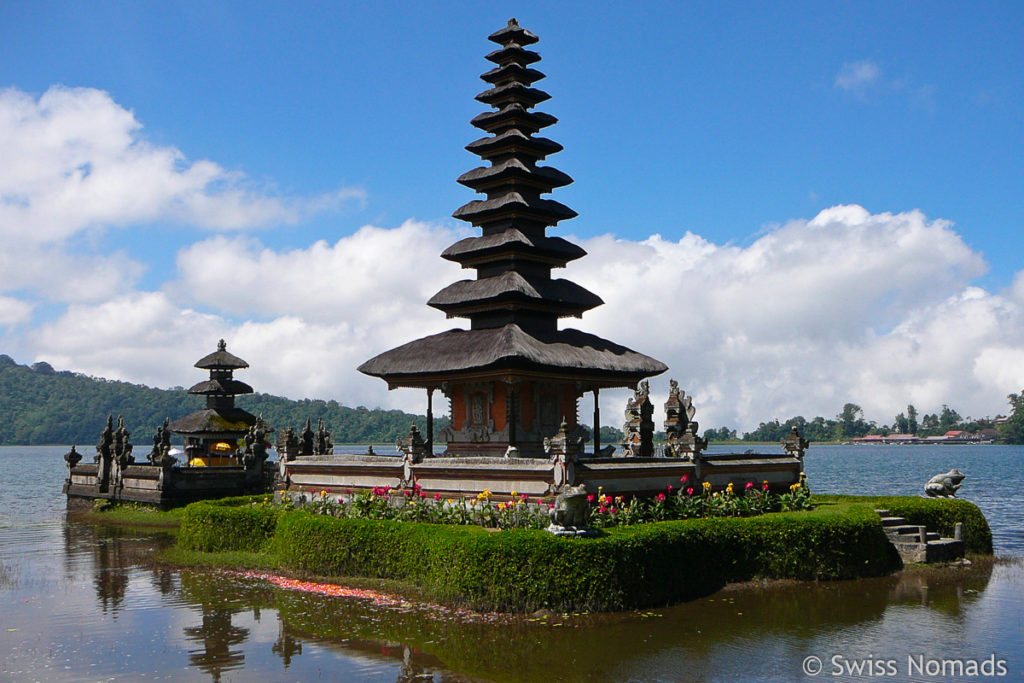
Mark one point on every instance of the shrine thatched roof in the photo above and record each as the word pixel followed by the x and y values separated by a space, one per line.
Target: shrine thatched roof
pixel 221 359
pixel 213 422
pixel 569 353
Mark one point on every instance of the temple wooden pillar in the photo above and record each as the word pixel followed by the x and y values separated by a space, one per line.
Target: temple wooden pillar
pixel 597 421
pixel 430 421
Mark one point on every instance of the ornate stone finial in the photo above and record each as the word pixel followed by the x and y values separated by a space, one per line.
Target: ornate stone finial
pixel 512 22
pixel 222 345
pixel 795 444
pixel 72 458
pixel 413 445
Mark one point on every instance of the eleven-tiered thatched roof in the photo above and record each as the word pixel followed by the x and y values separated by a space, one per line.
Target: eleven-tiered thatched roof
pixel 513 304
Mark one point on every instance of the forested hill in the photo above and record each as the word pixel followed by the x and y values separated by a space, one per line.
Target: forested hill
pixel 39 405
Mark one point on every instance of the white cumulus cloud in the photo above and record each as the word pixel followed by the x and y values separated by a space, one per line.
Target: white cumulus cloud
pixel 850 306
pixel 76 164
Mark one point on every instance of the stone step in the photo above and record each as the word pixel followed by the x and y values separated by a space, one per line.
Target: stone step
pixel 894 521
pixel 913 537
pixel 906 538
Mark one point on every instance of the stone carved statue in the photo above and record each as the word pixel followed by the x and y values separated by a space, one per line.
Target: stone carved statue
pixel 795 444
pixel 639 426
pixel 567 443
pixel 681 436
pixel 306 439
pixel 105 455
pixel 255 451
pixel 161 444
pixel 122 453
pixel 569 516
pixel 324 445
pixel 288 445
pixel 945 485
pixel 413 445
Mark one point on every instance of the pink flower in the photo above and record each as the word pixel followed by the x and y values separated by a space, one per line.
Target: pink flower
pixel 614 510
pixel 660 498
pixel 422 494
pixel 689 491
pixel 602 509
pixel 684 478
pixel 407 493
pixel 590 498
pixel 551 506
pixel 437 496
pixel 749 485
pixel 765 486
pixel 670 488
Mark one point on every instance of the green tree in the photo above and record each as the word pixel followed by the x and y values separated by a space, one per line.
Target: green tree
pixel 911 419
pixel 901 424
pixel 1012 431
pixel 949 418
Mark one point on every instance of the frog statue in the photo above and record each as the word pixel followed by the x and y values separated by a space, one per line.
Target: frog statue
pixel 945 485
pixel 569 515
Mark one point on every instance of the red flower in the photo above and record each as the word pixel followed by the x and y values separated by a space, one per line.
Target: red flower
pixel 749 485
pixel 407 493
pixel 765 486
pixel 660 498
pixel 590 498
pixel 437 496
pixel 602 509
pixel 689 491
pixel 422 494
pixel 614 510
pixel 685 478
pixel 670 488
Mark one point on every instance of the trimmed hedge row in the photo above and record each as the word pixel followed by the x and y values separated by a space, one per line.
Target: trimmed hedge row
pixel 625 567
pixel 240 523
pixel 938 514
pixel 651 564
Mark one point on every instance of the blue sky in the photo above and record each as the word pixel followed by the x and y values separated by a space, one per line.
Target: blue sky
pixel 725 129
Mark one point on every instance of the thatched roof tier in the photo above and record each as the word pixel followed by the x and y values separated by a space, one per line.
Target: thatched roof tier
pixel 513 53
pixel 221 359
pixel 510 244
pixel 221 386
pixel 513 92
pixel 210 423
pixel 515 142
pixel 547 211
pixel 513 115
pixel 542 179
pixel 511 289
pixel 459 354
pixel 513 33
pixel 512 72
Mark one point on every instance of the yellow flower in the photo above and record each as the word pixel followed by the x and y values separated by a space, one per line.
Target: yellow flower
pixel 707 486
pixel 451 501
pixel 323 493
pixel 794 487
pixel 729 488
pixel 501 506
pixel 618 499
pixel 515 494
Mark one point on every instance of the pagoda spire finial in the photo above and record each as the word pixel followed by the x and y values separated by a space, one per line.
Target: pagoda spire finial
pixel 222 345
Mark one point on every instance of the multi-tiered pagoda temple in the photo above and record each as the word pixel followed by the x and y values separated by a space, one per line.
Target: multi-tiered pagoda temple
pixel 212 434
pixel 514 375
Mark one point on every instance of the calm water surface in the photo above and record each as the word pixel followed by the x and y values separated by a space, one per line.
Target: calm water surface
pixel 81 602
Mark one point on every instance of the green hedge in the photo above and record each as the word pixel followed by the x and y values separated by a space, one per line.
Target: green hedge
pixel 625 567
pixel 651 564
pixel 938 514
pixel 242 523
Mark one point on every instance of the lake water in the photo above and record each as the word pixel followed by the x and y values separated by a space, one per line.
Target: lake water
pixel 83 602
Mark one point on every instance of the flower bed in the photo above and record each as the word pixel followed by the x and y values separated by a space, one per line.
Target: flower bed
pixel 521 512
